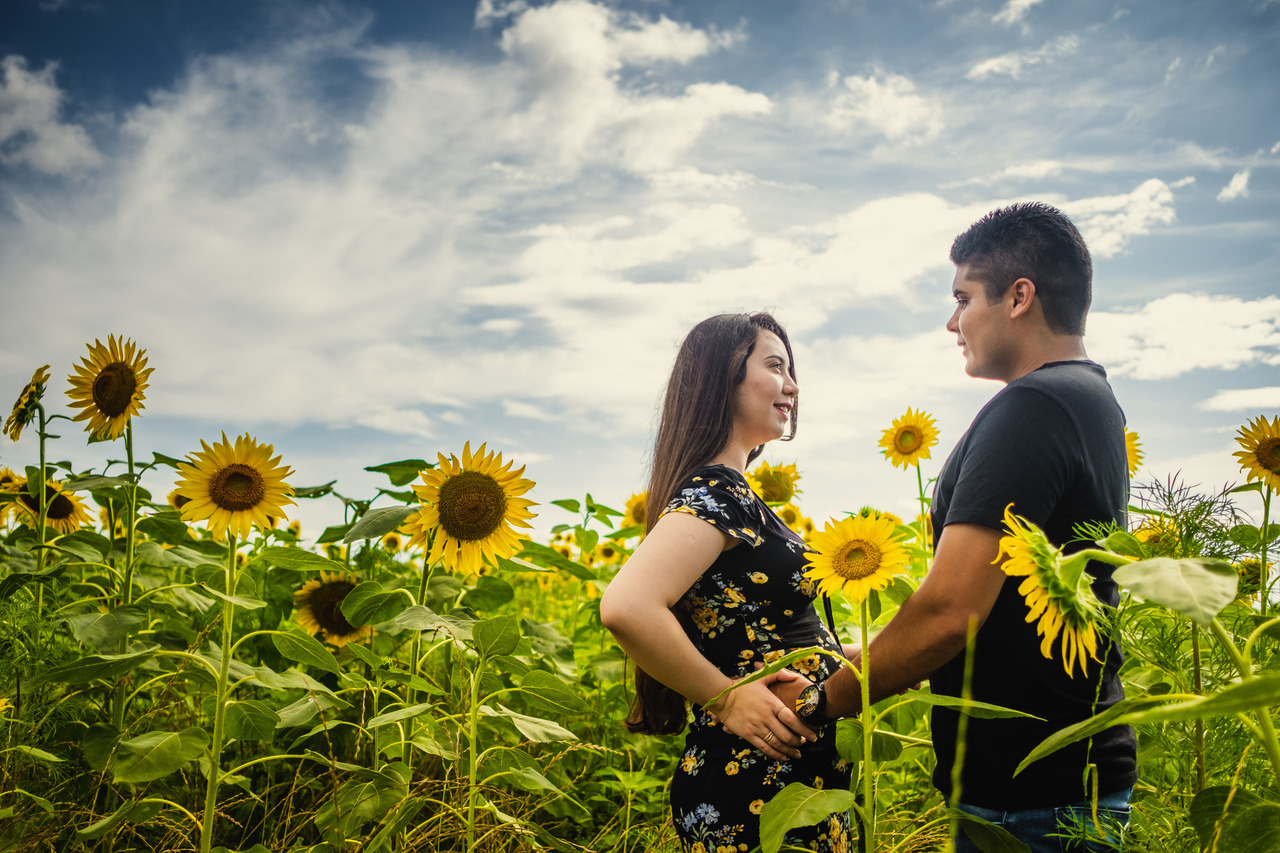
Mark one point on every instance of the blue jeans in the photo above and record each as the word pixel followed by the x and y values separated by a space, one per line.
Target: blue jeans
pixel 1058 829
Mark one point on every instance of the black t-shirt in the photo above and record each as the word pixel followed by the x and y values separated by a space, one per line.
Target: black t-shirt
pixel 1052 444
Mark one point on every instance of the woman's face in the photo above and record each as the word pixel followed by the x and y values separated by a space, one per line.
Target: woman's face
pixel 763 400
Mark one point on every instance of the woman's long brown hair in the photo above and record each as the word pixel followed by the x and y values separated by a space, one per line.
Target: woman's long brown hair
pixel 696 424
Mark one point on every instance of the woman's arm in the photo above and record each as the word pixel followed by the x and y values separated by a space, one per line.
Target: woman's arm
pixel 636 608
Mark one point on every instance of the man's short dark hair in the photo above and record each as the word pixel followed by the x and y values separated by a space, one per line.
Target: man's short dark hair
pixel 1035 241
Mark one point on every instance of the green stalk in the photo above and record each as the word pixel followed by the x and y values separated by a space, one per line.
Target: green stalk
pixel 219 711
pixel 1262 550
pixel 1197 674
pixel 44 517
pixel 126 587
pixel 868 729
pixel 473 758
pixel 1266 728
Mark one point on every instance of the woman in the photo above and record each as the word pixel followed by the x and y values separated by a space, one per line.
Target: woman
pixel 717 587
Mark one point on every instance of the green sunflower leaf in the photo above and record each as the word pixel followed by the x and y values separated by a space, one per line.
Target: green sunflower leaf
pixel 369 604
pixel 251 719
pixel 289 557
pixel 156 754
pixel 377 523
pixel 497 636
pixel 303 648
pixel 798 805
pixel 403 472
pixel 1198 588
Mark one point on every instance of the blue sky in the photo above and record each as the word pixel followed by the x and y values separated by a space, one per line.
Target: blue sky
pixel 365 232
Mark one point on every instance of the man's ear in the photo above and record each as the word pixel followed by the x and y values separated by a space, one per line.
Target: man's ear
pixel 1023 295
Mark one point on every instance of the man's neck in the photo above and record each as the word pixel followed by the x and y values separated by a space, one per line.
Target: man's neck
pixel 1047 350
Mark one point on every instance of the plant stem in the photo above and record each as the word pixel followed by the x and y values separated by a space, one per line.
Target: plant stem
pixel 126 587
pixel 868 729
pixel 44 517
pixel 1268 729
pixel 1197 674
pixel 219 711
pixel 473 757
pixel 1262 547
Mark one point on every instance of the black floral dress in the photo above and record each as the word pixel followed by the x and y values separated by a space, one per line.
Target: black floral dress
pixel 753 604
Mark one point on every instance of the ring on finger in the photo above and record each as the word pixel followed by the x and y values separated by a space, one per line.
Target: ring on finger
pixel 768 737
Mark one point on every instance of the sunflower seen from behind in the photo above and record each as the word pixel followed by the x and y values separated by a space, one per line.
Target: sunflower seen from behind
pixel 24 408
pixel 909 439
pixel 1058 592
pixel 320 609
pixel 470 509
pixel 855 556
pixel 234 486
pixel 108 385
pixel 1132 451
pixel 775 484
pixel 1260 458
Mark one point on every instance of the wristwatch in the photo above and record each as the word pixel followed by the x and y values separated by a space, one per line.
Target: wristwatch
pixel 811 706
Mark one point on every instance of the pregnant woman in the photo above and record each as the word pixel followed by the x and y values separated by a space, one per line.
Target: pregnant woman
pixel 716 587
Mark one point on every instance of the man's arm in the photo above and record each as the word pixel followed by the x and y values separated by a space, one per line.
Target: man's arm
pixel 931 626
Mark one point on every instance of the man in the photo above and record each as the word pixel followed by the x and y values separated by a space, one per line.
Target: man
pixel 1051 443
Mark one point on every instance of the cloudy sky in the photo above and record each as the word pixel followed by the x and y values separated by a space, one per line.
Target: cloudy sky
pixel 370 231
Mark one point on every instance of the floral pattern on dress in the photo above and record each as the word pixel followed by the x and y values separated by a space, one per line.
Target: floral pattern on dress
pixel 752 605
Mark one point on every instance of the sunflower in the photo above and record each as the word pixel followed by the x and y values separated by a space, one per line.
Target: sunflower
pixel 13 484
pixel 320 609
pixel 1260 458
pixel 63 510
pixel 1159 537
pixel 177 500
pixel 634 515
pixel 295 528
pixel 1132 450
pixel 792 517
pixel 909 439
pixel 855 555
pixel 1057 591
pixel 108 386
pixel 775 484
pixel 24 409
pixel 392 541
pixel 472 505
pixel 234 487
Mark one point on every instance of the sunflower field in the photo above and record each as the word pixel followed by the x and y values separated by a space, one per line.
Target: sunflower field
pixel 181 673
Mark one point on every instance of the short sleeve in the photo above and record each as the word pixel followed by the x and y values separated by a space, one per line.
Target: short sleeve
pixel 722 498
pixel 1022 451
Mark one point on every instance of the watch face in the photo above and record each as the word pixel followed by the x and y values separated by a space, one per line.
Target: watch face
pixel 808 701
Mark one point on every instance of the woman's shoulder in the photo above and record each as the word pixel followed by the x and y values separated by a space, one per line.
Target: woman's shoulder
pixel 721 496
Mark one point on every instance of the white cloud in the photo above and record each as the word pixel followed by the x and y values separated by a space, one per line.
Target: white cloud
pixel 1182 182
pixel 1182 332
pixel 887 104
pixel 1013 64
pixel 1242 399
pixel 1275 149
pixel 1237 188
pixel 1109 222
pixel 1013 12
pixel 31 130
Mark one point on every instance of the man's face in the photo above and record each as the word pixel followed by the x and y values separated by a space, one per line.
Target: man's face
pixel 981 328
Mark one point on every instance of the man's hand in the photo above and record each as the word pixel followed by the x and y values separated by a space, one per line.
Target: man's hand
pixel 790 688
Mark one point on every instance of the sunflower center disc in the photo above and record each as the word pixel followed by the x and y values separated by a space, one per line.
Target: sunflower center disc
pixel 113 389
pixel 472 505
pixel 907 440
pixel 326 606
pixel 858 560
pixel 237 487
pixel 1268 453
